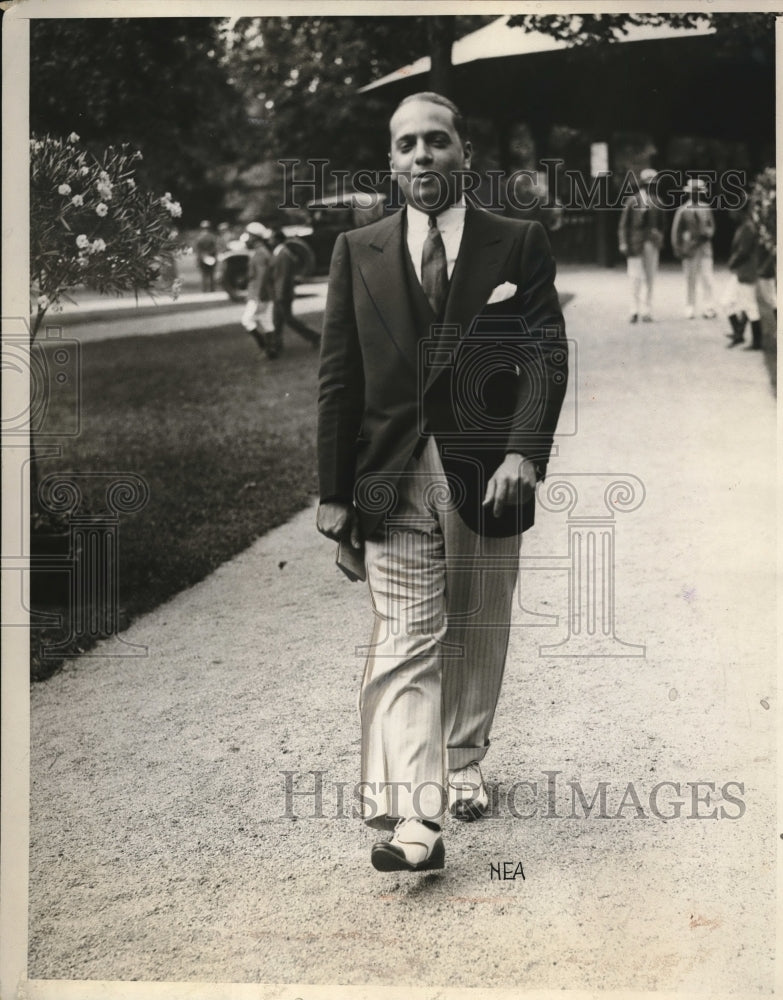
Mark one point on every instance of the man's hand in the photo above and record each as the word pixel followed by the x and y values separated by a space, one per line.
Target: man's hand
pixel 338 520
pixel 512 481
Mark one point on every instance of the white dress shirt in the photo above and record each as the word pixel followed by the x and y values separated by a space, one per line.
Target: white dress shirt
pixel 451 223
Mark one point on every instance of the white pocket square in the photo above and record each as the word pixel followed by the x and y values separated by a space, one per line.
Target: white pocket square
pixel 502 292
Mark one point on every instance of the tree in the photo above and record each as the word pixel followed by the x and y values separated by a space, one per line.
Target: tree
pixel 441 33
pixel 159 84
pixel 301 76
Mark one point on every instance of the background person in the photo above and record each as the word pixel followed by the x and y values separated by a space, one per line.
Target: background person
pixel 766 282
pixel 740 298
pixel 692 231
pixel 206 255
pixel 281 283
pixel 222 240
pixel 223 237
pixel 640 237
pixel 256 317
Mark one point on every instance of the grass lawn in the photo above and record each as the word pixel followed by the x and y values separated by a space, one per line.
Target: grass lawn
pixel 224 439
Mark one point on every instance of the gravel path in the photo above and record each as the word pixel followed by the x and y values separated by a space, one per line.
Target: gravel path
pixel 161 843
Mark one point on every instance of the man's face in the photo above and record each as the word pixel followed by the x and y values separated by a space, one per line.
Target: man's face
pixel 425 152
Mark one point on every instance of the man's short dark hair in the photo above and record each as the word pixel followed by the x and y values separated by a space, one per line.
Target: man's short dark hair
pixel 429 96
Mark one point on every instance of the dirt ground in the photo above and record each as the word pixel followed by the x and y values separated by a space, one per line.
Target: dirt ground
pixel 164 845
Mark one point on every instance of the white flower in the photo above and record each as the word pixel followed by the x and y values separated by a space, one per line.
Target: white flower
pixel 101 209
pixel 64 189
pixel 104 191
pixel 104 178
pixel 43 302
pixel 175 209
pixel 73 137
pixel 77 200
pixel 83 171
pixel 166 197
pixel 97 246
pixel 131 183
pixel 81 241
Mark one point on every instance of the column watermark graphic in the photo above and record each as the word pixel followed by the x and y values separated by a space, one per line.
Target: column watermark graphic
pixel 590 502
pixel 92 560
pixel 70 521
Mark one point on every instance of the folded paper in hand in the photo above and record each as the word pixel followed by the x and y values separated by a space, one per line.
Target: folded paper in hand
pixel 351 561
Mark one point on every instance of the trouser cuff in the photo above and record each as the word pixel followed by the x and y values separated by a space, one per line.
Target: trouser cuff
pixel 457 757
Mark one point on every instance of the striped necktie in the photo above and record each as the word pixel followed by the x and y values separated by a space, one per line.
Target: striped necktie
pixel 434 273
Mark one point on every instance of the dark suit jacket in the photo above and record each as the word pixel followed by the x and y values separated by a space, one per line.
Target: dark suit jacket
pixel 489 379
pixel 744 257
pixel 638 224
pixel 280 277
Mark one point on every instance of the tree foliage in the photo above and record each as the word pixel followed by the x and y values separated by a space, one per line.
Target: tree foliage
pixel 737 32
pixel 90 223
pixel 301 78
pixel 157 83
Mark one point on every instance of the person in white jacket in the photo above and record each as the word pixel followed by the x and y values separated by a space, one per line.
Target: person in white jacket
pixel 692 231
pixel 257 315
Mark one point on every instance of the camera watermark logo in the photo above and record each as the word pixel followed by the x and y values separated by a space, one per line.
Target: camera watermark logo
pixel 503 382
pixel 42 383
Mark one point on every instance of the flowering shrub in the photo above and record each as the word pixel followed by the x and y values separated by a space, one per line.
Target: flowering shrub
pixel 763 208
pixel 91 224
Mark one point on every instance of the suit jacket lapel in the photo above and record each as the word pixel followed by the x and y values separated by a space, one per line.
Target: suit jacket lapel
pixel 381 267
pixel 484 248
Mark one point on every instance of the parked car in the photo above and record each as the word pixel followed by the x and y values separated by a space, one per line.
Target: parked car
pixel 337 213
pixel 312 244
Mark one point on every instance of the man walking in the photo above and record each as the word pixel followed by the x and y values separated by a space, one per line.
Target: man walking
pixel 640 237
pixel 443 370
pixel 281 281
pixel 692 230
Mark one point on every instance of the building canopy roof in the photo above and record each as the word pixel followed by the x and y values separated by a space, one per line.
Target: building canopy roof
pixel 496 40
pixel 656 79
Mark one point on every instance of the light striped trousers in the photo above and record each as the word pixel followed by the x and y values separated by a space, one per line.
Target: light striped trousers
pixel 442 600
